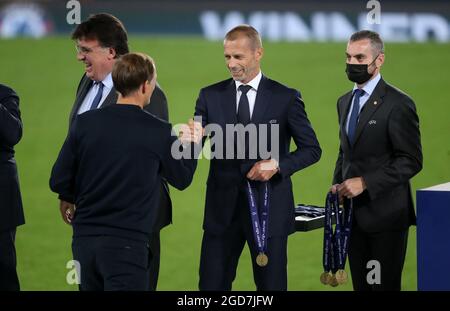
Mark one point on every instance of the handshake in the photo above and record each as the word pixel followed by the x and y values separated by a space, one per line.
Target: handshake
pixel 192 132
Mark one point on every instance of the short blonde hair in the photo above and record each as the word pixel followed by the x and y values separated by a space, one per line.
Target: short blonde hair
pixel 130 71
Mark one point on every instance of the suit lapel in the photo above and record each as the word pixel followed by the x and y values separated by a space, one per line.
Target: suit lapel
pixel 84 87
pixel 111 98
pixel 371 105
pixel 262 100
pixel 228 103
pixel 344 106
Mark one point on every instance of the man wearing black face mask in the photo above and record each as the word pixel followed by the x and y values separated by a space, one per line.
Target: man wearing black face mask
pixel 380 151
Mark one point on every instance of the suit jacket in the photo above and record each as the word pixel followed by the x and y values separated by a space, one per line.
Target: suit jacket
pixel 113 176
pixel 387 153
pixel 11 210
pixel 158 107
pixel 275 104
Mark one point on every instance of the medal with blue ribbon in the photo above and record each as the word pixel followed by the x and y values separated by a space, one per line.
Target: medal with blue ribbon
pixel 345 231
pixel 325 277
pixel 335 244
pixel 260 221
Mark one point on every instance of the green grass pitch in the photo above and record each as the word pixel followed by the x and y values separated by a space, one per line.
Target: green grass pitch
pixel 45 74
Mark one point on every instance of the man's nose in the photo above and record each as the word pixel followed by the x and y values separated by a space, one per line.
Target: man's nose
pixel 80 56
pixel 352 60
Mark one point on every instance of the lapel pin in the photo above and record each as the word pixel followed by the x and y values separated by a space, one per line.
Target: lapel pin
pixel 375 102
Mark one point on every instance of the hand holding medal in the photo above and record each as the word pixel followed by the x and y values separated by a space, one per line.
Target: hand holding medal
pixel 260 220
pixel 335 243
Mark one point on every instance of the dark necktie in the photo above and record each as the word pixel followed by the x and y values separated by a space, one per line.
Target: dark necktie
pixel 98 97
pixel 243 115
pixel 353 122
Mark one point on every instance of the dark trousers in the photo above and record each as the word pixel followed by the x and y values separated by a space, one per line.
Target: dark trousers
pixel 388 248
pixel 155 250
pixel 220 256
pixel 8 274
pixel 112 263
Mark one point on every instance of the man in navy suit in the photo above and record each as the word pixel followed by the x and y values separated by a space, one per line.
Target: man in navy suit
pixel 11 211
pixel 110 167
pixel 100 41
pixel 380 151
pixel 250 98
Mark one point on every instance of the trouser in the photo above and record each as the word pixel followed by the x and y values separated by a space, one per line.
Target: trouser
pixel 8 274
pixel 155 250
pixel 112 263
pixel 376 259
pixel 220 255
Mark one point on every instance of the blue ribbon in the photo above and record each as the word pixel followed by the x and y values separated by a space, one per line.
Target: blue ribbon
pixel 328 235
pixel 335 243
pixel 260 219
pixel 347 227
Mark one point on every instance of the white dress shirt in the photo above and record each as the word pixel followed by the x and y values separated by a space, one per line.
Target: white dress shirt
pixel 251 94
pixel 89 98
pixel 368 90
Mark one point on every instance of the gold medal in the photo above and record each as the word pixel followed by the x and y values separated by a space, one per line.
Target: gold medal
pixel 325 278
pixel 341 276
pixel 262 260
pixel 333 282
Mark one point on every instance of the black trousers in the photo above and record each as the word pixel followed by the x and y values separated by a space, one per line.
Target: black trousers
pixel 388 249
pixel 8 274
pixel 220 255
pixel 155 250
pixel 112 263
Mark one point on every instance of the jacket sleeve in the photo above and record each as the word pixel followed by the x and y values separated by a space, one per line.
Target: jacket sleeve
pixel 10 122
pixel 337 176
pixel 404 133
pixel 62 180
pixel 308 149
pixel 177 170
pixel 201 113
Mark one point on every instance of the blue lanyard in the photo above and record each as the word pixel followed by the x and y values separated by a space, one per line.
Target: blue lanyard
pixel 328 235
pixel 260 219
pixel 335 244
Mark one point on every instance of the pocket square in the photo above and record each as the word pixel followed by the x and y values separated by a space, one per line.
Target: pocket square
pixel 371 122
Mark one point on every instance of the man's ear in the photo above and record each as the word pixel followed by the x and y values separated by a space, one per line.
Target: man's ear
pixel 112 53
pixel 380 60
pixel 144 88
pixel 259 53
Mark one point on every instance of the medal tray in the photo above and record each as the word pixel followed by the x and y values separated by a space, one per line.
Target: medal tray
pixel 306 223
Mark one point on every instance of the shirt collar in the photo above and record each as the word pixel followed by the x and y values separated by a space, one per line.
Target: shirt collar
pixel 370 86
pixel 107 81
pixel 253 83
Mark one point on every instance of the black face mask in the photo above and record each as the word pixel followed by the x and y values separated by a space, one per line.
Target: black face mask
pixel 359 72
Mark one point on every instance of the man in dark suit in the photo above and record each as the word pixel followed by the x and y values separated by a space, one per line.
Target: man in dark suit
pixel 380 151
pixel 100 41
pixel 11 211
pixel 110 167
pixel 253 100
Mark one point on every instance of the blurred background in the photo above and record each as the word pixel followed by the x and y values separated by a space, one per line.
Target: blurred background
pixel 304 45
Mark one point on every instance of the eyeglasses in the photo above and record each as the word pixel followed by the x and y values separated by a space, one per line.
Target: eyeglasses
pixel 85 50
